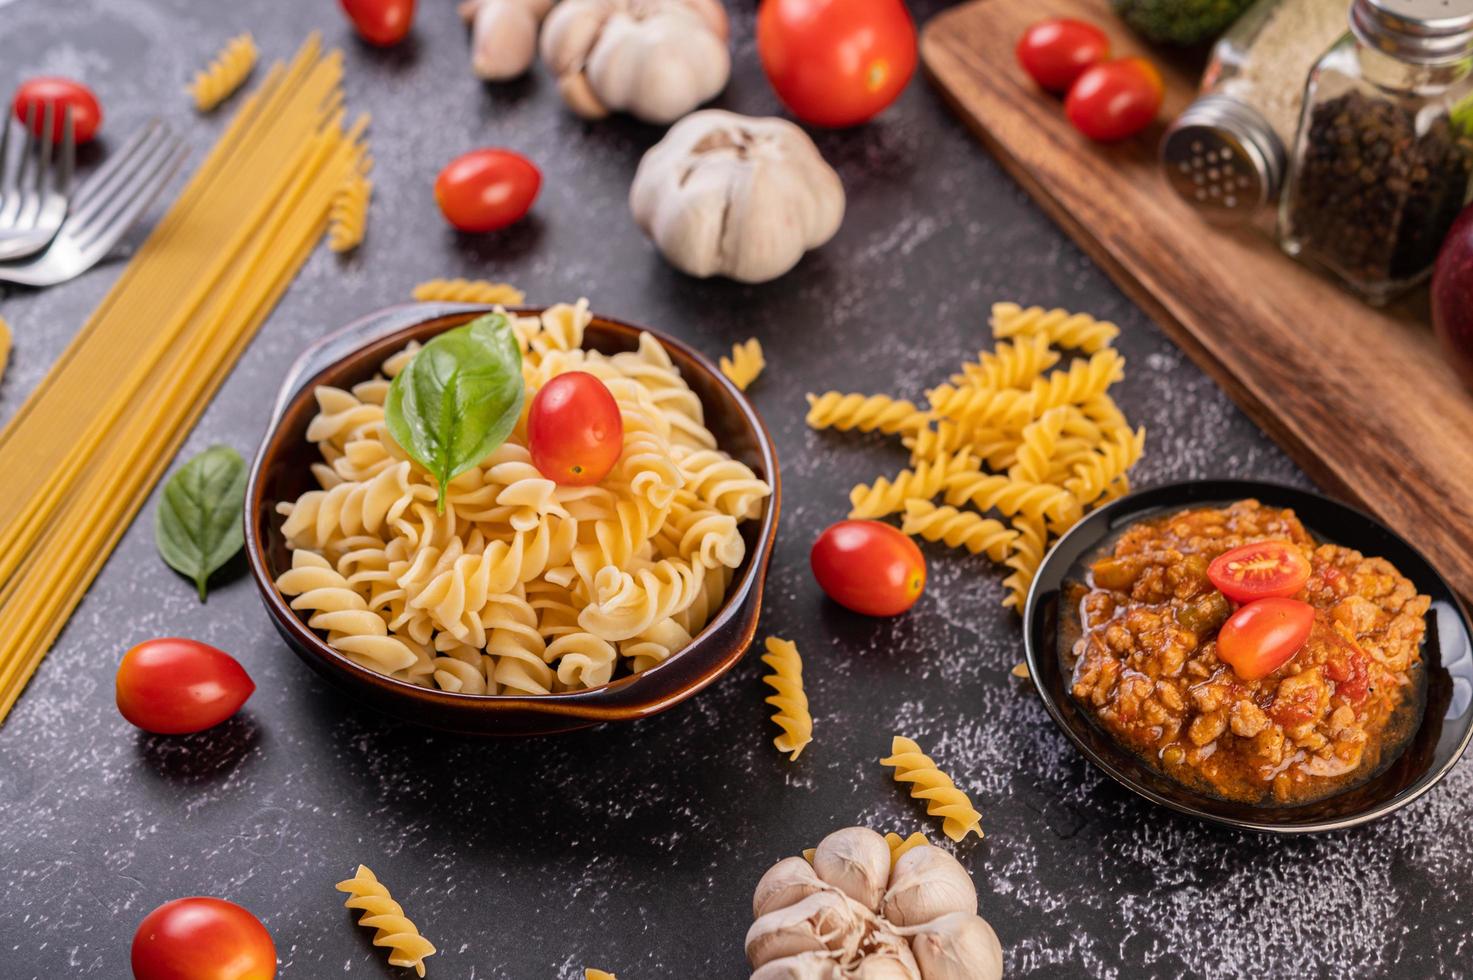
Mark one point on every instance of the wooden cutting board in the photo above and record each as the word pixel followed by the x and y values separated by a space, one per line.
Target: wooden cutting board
pixel 1362 399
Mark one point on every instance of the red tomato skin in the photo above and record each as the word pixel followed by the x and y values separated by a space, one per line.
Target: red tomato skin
pixel 202 939
pixel 1115 100
pixel 575 431
pixel 1264 635
pixel 380 22
pixel 836 62
pixel 1057 51
pixel 174 686
pixel 1230 571
pixel 86 112
pixel 487 189
pixel 869 567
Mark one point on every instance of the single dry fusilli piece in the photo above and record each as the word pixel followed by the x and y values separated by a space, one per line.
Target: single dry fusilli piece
pixel 5 342
pixel 943 799
pixel 866 413
pixel 348 218
pixel 1020 671
pixel 986 491
pixel 1080 383
pixel 384 915
pixel 468 291
pixel 1013 364
pixel 899 845
pixel 228 72
pixel 745 363
pixel 929 478
pixel 958 528
pixel 591 974
pixel 1038 447
pixel 788 698
pixel 1072 330
pixel 1108 463
pixel 1025 555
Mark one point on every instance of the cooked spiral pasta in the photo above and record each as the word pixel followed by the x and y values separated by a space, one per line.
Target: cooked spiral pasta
pixel 745 363
pixel 789 700
pixel 863 412
pixel 958 528
pixel 348 218
pixel 724 483
pixel 382 914
pixel 1069 330
pixel 943 799
pixel 899 845
pixel 928 479
pixel 339 611
pixel 228 72
pixel 468 291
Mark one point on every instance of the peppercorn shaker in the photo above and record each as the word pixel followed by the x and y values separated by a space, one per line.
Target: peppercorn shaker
pixel 1382 160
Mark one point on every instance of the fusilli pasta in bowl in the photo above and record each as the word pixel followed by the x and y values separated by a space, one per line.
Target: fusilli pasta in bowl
pixel 525 607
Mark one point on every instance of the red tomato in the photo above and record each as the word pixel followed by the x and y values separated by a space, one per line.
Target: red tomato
pixel 869 566
pixel 486 190
pixel 173 686
pixel 1259 570
pixel 380 22
pixel 1264 635
pixel 1057 51
pixel 574 430
pixel 64 94
pixel 202 939
pixel 1115 100
pixel 836 62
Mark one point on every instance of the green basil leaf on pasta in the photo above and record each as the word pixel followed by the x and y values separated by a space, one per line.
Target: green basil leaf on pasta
pixel 198 524
pixel 458 398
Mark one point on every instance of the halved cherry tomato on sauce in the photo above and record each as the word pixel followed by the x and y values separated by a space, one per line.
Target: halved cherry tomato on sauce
pixel 1259 570
pixel 380 22
pixel 1115 100
pixel 202 939
pixel 34 95
pixel 174 687
pixel 1057 51
pixel 869 567
pixel 1264 635
pixel 574 430
pixel 486 190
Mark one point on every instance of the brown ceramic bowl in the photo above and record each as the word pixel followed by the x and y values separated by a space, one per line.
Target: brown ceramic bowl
pixel 280 472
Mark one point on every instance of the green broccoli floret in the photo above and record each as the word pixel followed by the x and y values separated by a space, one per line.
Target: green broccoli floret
pixel 1180 21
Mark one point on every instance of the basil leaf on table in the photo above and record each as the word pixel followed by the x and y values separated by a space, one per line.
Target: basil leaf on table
pixel 198 524
pixel 458 399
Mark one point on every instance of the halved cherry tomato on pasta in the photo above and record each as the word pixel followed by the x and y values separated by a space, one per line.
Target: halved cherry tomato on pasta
pixel 173 686
pixel 574 430
pixel 1259 570
pixel 487 189
pixel 869 567
pixel 1264 635
pixel 1115 100
pixel 34 95
pixel 202 939
pixel 1056 51
pixel 380 22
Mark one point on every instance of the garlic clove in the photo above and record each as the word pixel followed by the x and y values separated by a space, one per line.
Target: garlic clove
pixel 887 957
pixel 926 884
pixel 804 966
pixel 957 946
pixel 856 860
pixel 786 883
pixel 504 36
pixel 825 921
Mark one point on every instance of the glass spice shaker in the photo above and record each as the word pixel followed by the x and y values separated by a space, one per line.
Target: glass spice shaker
pixel 1227 153
pixel 1380 166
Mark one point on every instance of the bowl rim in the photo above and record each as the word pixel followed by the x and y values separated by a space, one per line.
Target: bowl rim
pixel 1188 493
pixel 410 318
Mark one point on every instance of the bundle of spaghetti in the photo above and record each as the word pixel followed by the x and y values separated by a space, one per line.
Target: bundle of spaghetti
pixel 86 449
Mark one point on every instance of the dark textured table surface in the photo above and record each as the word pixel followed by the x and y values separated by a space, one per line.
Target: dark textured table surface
pixel 635 847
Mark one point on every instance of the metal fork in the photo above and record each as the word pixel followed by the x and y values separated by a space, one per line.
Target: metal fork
pixel 106 206
pixel 34 202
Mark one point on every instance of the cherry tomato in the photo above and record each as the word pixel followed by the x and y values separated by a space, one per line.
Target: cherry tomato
pixel 1115 100
pixel 380 22
pixel 574 430
pixel 869 567
pixel 1057 51
pixel 64 94
pixel 1259 570
pixel 486 190
pixel 202 939
pixel 836 62
pixel 173 686
pixel 1264 635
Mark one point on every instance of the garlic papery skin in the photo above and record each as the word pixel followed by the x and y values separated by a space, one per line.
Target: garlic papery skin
pixel 855 860
pixel 804 966
pixel 958 946
pixel 503 35
pixel 927 883
pixel 823 921
pixel 786 883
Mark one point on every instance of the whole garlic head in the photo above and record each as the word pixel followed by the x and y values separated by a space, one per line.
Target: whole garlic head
pixel 655 59
pixel 926 884
pixel 855 860
pixel 957 946
pixel 503 35
pixel 736 196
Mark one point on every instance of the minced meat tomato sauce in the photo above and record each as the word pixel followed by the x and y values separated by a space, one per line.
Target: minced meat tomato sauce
pixel 1146 663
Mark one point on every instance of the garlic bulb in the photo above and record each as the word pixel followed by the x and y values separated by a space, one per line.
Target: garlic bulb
pixel 503 35
pixel 926 884
pixel 655 59
pixel 786 883
pixel 957 946
pixel 822 921
pixel 856 860
pixel 730 195
pixel 804 966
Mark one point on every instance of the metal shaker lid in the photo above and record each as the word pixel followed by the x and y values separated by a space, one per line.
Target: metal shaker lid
pixel 1222 157
pixel 1419 31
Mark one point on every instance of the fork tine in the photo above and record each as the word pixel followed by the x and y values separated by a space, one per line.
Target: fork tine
pixel 4 146
pixel 141 199
pixel 63 182
pixel 27 151
pixel 48 144
pixel 102 216
pixel 100 184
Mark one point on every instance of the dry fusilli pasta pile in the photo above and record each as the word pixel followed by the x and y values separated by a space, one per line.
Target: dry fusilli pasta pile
pixel 383 915
pixel 943 799
pixel 228 72
pixel 791 704
pixel 745 363
pixel 1017 446
pixel 522 586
